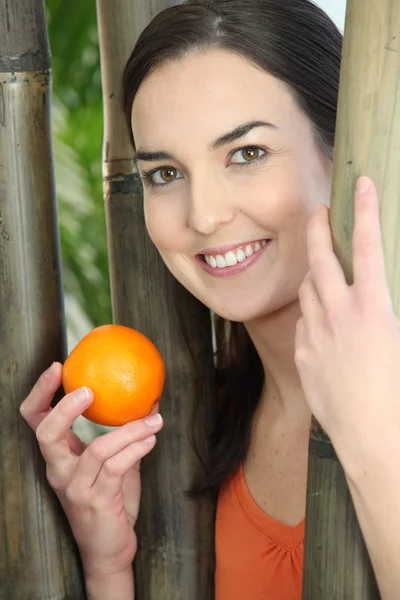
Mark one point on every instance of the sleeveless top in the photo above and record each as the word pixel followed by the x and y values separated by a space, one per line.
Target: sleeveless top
pixel 257 556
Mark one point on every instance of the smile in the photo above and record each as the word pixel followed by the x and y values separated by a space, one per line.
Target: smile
pixel 235 260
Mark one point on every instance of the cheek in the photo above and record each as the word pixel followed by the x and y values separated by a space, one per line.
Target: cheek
pixel 293 241
pixel 293 249
pixel 277 201
pixel 164 222
pixel 166 235
pixel 293 230
pixel 282 212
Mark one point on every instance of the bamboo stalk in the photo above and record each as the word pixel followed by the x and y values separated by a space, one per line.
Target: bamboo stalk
pixel 367 143
pixel 38 557
pixel 175 560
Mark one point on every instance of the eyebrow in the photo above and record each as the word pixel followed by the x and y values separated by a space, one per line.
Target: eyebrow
pixel 239 132
pixel 227 138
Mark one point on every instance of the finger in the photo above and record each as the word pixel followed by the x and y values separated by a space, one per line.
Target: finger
pixel 106 446
pixel 54 432
pixel 310 302
pixel 110 479
pixel 156 408
pixel 327 273
pixel 36 406
pixel 368 254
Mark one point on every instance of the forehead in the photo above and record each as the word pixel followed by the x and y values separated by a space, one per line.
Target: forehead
pixel 206 93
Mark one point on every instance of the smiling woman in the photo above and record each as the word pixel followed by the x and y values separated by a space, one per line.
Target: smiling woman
pixel 232 110
pixel 251 171
pixel 233 136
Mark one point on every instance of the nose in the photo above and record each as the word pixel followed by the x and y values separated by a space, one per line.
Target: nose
pixel 211 206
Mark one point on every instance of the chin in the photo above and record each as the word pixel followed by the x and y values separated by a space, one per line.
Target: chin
pixel 240 314
pixel 243 314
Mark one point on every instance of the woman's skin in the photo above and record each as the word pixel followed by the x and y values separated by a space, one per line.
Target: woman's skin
pixel 354 330
pixel 98 485
pixel 211 200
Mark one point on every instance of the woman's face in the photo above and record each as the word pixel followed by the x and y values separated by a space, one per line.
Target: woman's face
pixel 228 161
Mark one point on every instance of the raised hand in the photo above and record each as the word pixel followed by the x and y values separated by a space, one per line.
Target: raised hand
pixel 98 484
pixel 348 339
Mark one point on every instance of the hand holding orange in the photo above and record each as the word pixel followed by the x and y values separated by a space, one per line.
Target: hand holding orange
pixel 124 370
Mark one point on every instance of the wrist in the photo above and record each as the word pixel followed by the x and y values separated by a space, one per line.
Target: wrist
pixel 116 585
pixel 367 457
pixel 111 565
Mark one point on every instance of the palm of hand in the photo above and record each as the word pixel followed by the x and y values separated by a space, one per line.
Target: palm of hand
pixel 108 521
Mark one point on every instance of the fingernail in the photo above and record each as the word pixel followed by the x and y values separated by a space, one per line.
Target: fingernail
pixel 363 185
pixel 149 440
pixel 81 395
pixel 153 420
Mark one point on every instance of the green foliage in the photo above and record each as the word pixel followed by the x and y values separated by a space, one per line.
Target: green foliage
pixel 77 136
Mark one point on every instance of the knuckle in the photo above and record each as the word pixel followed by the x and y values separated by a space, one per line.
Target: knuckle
pixel 24 410
pixel 111 467
pixel 97 450
pixel 73 496
pixel 25 407
pixel 54 479
pixel 43 435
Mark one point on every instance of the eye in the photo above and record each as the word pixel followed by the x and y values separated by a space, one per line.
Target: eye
pixel 247 154
pixel 161 176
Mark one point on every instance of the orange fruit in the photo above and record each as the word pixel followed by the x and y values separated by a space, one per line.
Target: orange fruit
pixel 124 370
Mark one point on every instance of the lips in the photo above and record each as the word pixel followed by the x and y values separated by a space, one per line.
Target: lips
pixel 221 250
pixel 218 266
pixel 234 256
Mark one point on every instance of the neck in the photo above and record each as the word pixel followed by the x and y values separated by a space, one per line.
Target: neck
pixel 274 338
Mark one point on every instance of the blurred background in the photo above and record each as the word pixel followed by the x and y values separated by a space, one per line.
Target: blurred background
pixel 336 9
pixel 77 120
pixel 77 135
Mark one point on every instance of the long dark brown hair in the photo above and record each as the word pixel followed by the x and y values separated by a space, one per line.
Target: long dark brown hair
pixel 295 41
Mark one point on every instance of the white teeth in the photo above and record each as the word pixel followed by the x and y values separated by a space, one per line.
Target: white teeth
pixel 240 255
pixel 232 257
pixel 220 261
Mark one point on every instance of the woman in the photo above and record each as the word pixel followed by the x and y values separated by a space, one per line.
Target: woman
pixel 232 107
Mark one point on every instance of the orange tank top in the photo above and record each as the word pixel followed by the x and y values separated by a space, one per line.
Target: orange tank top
pixel 257 556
